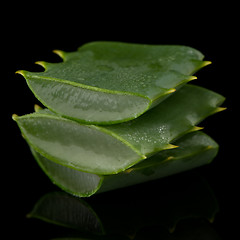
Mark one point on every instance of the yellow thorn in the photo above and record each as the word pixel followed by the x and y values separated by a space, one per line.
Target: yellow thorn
pixel 220 109
pixel 169 158
pixel 170 146
pixel 41 63
pixel 171 90
pixel 21 72
pixel 37 108
pixel 192 78
pixel 59 53
pixel 205 63
pixel 129 170
pixel 14 117
pixel 196 128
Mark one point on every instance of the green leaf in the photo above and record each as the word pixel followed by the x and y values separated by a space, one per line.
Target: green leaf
pixel 195 149
pixel 114 148
pixel 112 82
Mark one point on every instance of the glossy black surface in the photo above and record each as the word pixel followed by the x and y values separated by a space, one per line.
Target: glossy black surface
pixel 31 37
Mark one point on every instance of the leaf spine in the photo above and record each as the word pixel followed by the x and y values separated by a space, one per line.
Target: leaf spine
pixel 21 72
pixel 205 63
pixel 171 90
pixel 219 109
pixel 192 78
pixel 196 128
pixel 59 53
pixel 170 146
pixel 41 63
pixel 37 108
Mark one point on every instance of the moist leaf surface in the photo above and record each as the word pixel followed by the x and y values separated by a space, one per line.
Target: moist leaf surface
pixel 112 82
pixel 114 148
pixel 195 149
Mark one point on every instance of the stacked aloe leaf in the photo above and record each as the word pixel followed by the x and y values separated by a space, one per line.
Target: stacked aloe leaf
pixel 118 114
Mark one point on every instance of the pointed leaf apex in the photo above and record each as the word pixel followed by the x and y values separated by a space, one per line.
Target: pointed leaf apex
pixel 14 117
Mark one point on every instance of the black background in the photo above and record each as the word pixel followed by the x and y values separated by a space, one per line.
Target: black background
pixel 30 33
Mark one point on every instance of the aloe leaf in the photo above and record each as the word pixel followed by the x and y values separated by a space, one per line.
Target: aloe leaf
pixel 112 82
pixel 114 148
pixel 195 149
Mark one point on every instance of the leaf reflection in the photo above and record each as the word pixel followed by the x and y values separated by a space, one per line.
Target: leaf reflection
pixel 180 210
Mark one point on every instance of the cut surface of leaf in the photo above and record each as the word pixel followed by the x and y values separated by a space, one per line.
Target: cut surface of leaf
pixel 114 148
pixel 112 82
pixel 195 149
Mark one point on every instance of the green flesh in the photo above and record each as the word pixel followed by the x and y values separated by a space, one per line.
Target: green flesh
pixel 195 149
pixel 112 149
pixel 113 82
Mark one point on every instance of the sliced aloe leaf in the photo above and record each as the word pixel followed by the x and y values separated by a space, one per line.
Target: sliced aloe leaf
pixel 112 82
pixel 195 149
pixel 114 148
